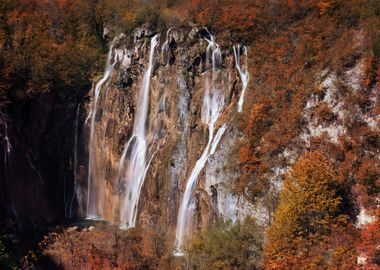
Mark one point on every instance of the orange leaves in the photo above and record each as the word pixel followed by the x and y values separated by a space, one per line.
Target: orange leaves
pixel 368 246
pixel 368 183
pixel 55 42
pixel 255 116
pixel 324 6
pixel 106 248
pixel 235 15
pixel 369 172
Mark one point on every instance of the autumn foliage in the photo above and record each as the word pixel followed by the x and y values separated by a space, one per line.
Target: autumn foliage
pixel 368 246
pixel 226 245
pixel 100 247
pixel 40 39
pixel 308 217
pixel 293 47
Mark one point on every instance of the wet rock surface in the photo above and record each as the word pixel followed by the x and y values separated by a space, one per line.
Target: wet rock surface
pixel 175 131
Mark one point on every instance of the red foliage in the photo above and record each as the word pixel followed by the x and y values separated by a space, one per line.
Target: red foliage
pixel 368 246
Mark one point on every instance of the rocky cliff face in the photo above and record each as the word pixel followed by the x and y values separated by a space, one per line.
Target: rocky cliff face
pixel 176 134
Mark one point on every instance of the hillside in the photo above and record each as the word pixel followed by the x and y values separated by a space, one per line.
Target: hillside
pixel 202 134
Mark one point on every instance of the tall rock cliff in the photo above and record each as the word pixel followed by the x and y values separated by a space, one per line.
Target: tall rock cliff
pixel 176 134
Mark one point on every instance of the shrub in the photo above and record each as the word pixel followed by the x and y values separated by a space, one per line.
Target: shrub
pixel 226 245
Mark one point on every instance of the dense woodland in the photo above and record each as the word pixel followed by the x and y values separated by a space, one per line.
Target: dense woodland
pixel 313 225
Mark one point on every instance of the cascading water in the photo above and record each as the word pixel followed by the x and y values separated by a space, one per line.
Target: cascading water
pixel 123 100
pixel 76 193
pixel 137 147
pixel 165 46
pixel 7 152
pixel 8 146
pixel 243 73
pixel 7 163
pixel 93 188
pixel 213 102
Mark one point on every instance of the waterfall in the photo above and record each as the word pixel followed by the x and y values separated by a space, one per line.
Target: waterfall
pixel 137 147
pixel 76 193
pixel 7 153
pixel 92 187
pixel 243 73
pixel 213 102
pixel 165 46
pixel 8 146
pixel 7 174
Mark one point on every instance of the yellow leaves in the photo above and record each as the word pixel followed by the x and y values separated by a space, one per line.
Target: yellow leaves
pixel 308 206
pixel 343 258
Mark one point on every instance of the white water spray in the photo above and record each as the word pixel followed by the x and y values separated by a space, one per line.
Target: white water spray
pixel 213 102
pixel 137 147
pixel 165 46
pixel 8 145
pixel 92 188
pixel 243 73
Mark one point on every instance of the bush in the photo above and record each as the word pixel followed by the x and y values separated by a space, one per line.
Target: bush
pixel 226 245
pixel 104 247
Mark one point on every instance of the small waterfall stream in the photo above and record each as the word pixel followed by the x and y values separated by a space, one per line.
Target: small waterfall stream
pixel 76 193
pixel 213 102
pixel 165 46
pixel 7 153
pixel 137 147
pixel 243 73
pixel 8 149
pixel 92 187
pixel 8 146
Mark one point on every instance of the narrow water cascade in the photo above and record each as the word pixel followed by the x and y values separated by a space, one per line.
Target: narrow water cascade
pixel 8 174
pixel 165 47
pixel 8 146
pixel 243 73
pixel 213 103
pixel 7 153
pixel 76 193
pixel 93 180
pixel 133 176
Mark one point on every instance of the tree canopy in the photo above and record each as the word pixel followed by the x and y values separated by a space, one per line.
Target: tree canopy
pixel 309 210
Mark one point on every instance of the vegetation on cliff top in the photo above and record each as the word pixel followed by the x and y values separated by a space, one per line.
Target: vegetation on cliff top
pixel 39 39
